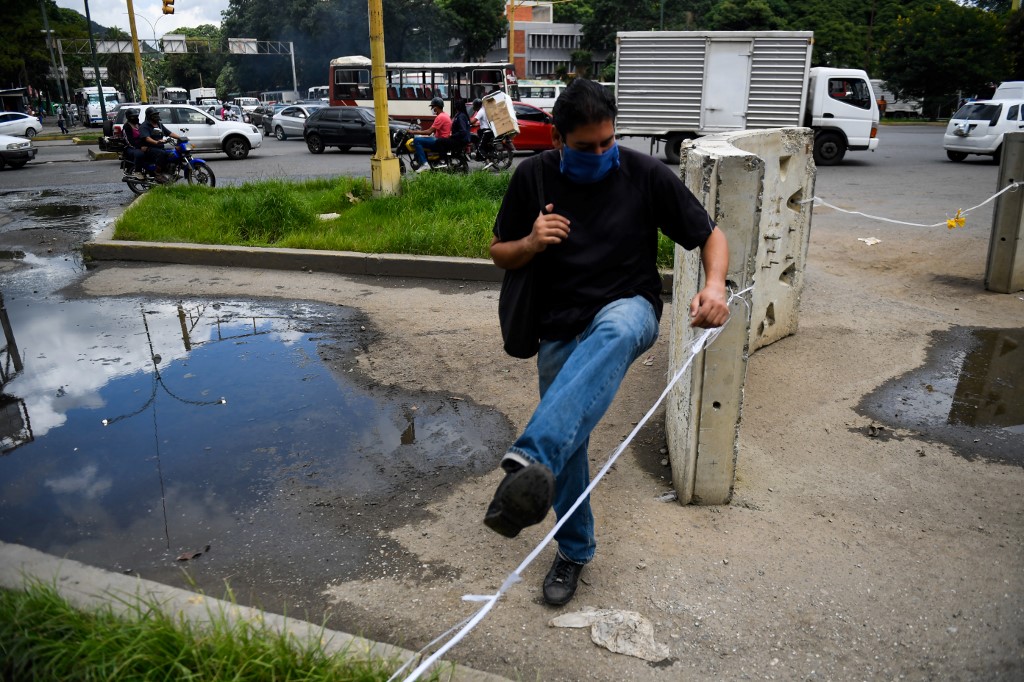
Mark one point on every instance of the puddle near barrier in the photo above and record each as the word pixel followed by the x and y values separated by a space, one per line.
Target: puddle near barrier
pixel 968 394
pixel 136 431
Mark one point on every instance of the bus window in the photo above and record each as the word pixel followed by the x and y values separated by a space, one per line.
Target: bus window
pixel 351 84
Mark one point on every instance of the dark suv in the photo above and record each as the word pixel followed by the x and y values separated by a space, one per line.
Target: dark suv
pixel 344 128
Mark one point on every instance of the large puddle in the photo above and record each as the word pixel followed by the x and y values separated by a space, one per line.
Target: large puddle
pixel 968 394
pixel 137 432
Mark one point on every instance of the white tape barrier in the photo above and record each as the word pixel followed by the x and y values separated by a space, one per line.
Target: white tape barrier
pixel 490 600
pixel 956 221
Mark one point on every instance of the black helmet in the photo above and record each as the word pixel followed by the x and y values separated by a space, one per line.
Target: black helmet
pixel 132 115
pixel 152 114
pixel 437 102
pixel 477 103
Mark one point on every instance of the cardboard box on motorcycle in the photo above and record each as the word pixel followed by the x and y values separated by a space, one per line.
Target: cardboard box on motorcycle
pixel 501 113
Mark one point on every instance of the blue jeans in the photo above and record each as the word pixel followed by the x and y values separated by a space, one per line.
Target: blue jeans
pixel 419 143
pixel 578 380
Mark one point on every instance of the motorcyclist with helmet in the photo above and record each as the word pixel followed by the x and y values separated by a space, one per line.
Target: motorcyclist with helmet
pixel 154 134
pixel 135 148
pixel 434 137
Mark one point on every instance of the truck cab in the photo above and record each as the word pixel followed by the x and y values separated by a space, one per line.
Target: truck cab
pixel 843 111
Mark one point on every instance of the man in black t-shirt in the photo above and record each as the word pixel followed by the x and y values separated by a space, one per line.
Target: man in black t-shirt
pixel 592 241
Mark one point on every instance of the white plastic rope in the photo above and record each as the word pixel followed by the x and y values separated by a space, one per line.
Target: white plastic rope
pixel 956 221
pixel 490 600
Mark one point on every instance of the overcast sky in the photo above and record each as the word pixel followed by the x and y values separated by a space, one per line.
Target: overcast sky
pixel 114 13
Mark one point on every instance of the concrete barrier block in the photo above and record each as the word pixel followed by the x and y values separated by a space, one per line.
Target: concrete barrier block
pixel 785 229
pixel 754 185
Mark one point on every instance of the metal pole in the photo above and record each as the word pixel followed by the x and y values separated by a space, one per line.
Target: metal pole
pixel 49 44
pixel 138 57
pixel 385 172
pixel 295 81
pixel 96 66
pixel 67 89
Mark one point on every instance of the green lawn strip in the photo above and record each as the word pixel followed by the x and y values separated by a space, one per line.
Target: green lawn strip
pixel 42 637
pixel 436 214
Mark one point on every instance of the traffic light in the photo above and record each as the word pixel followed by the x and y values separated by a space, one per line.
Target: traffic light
pixel 168 6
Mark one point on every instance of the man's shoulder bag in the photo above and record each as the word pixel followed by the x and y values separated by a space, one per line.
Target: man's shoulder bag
pixel 518 302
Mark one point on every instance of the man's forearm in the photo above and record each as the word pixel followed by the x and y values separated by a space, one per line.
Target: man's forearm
pixel 714 256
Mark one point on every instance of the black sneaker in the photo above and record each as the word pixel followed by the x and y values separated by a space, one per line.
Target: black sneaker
pixel 561 581
pixel 522 499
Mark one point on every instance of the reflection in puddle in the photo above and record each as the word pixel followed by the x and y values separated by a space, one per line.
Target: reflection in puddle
pixel 969 394
pixel 57 211
pixel 139 430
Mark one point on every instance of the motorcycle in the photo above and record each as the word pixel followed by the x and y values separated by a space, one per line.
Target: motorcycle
pixel 496 152
pixel 452 161
pixel 176 165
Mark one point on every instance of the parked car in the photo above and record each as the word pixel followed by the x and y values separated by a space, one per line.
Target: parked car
pixel 535 127
pixel 15 151
pixel 108 125
pixel 344 128
pixel 291 119
pixel 17 123
pixel 205 132
pixel 979 127
pixel 268 117
pixel 257 115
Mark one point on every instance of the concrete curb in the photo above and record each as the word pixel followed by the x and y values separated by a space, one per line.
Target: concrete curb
pixel 95 155
pixel 307 260
pixel 89 588
pixel 104 248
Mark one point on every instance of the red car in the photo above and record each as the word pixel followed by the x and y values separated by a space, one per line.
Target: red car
pixel 535 126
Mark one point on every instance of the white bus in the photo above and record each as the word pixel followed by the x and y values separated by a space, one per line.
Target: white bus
pixel 411 85
pixel 319 92
pixel 88 102
pixel 540 93
pixel 279 96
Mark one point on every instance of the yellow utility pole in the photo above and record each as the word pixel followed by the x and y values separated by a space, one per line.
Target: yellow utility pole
pixel 138 57
pixel 385 173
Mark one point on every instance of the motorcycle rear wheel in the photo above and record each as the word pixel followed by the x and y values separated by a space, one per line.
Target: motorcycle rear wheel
pixel 201 174
pixel 138 186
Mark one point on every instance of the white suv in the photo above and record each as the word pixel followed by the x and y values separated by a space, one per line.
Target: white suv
pixel 979 127
pixel 205 132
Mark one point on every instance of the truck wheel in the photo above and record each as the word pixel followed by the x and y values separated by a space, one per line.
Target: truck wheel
pixel 998 156
pixel 237 148
pixel 675 140
pixel 956 156
pixel 829 149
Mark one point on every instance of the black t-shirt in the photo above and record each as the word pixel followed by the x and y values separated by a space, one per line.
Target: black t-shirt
pixel 155 131
pixel 460 127
pixel 612 246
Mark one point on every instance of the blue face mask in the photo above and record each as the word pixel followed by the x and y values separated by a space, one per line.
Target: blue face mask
pixel 586 167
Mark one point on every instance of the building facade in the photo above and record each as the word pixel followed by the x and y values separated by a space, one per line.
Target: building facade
pixel 541 48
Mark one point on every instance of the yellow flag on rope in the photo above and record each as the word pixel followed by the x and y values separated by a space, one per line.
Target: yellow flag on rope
pixel 956 221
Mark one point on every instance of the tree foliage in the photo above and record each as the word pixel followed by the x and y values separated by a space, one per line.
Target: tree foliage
pixel 918 46
pixel 478 24
pixel 943 49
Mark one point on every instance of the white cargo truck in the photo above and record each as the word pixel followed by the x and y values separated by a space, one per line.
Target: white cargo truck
pixel 197 95
pixel 171 94
pixel 894 106
pixel 672 86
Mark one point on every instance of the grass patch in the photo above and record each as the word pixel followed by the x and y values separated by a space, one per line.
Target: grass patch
pixel 42 637
pixel 436 214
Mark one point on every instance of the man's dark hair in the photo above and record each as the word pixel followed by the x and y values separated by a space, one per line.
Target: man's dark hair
pixel 581 103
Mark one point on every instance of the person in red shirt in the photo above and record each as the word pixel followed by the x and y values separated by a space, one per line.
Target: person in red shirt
pixel 433 137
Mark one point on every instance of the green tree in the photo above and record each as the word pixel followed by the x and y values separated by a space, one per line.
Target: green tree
pixel 199 68
pixel 478 24
pixel 935 52
pixel 743 15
